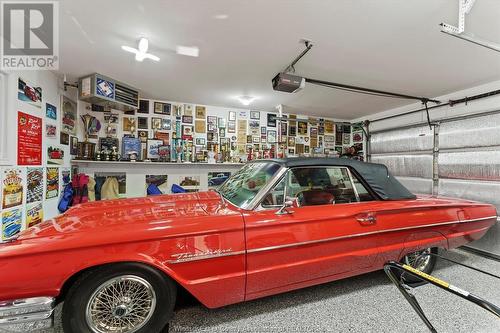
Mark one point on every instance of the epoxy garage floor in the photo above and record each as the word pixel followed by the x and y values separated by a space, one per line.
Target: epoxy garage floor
pixel 367 303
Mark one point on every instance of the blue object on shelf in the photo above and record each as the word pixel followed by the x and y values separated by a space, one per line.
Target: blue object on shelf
pixel 153 190
pixel 177 189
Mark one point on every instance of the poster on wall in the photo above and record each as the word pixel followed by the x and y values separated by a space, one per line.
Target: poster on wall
pixel 217 178
pixel 29 93
pixel 12 221
pixel 68 116
pixel 34 214
pixel 190 183
pixel 34 185
pixel 50 111
pixel 271 120
pixel 55 155
pixel 160 181
pixel 50 131
pixel 12 188
pixel 200 112
pixel 29 139
pixel 52 185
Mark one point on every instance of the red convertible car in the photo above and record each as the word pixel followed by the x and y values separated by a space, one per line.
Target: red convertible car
pixel 274 226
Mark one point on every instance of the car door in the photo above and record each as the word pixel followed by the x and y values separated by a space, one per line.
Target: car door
pixel 329 233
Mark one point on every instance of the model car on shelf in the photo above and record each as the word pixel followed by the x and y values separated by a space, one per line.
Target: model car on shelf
pixel 273 226
pixel 217 180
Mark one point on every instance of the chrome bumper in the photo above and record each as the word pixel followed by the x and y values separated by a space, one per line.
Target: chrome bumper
pixel 24 315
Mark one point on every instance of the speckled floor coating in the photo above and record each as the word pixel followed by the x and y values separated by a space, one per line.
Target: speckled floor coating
pixel 367 303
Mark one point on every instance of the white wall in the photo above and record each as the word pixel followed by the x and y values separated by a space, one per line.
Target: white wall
pixel 51 93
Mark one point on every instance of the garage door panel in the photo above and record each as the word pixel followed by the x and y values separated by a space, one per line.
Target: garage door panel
pixel 471 189
pixel 407 165
pixel 470 165
pixel 404 140
pixel 472 132
pixel 417 185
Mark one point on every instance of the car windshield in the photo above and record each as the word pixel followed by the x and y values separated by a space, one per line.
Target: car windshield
pixel 243 186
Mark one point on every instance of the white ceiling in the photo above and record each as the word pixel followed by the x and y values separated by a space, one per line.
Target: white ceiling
pixel 384 44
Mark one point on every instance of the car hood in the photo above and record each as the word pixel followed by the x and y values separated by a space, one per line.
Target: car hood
pixel 126 220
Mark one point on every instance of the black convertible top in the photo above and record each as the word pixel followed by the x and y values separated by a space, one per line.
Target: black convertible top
pixel 376 176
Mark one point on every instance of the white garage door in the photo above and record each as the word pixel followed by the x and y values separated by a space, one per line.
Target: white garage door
pixel 466 159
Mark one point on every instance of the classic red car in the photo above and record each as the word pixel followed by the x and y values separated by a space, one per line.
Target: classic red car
pixel 274 226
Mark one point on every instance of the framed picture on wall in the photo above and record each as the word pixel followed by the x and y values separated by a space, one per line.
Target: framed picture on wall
pixel 199 126
pixel 232 116
pixel 187 130
pixel 254 115
pixel 188 110
pixel 156 123
pixel 200 141
pixel 284 128
pixel 166 124
pixel 271 120
pixel 231 127
pixel 64 138
pixel 302 125
pixel 142 122
pixel 73 145
pixel 222 122
pixel 162 108
pixel 187 119
pixel 143 106
pixel 271 136
pixel 200 112
pixel 164 136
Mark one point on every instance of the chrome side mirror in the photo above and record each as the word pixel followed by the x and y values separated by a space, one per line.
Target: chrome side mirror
pixel 284 209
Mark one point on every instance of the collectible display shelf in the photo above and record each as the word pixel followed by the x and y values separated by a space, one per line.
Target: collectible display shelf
pixel 195 176
pixel 142 163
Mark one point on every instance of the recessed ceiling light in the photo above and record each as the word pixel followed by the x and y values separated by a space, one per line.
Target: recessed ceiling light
pixel 141 51
pixel 221 16
pixel 190 51
pixel 246 100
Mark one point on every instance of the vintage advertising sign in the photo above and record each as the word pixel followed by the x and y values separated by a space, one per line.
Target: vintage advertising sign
pixel 34 214
pixel 11 223
pixel 52 185
pixel 29 139
pixel 12 188
pixel 34 185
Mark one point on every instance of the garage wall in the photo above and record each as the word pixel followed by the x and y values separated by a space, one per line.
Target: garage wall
pixel 462 153
pixel 10 106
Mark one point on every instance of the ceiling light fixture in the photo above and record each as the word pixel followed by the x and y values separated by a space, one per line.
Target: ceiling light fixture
pixel 190 51
pixel 246 100
pixel 141 52
pixel 221 16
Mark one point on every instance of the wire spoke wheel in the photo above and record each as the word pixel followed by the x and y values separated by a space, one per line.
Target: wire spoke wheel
pixel 123 304
pixel 418 260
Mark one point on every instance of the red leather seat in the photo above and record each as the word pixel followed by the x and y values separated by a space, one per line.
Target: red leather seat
pixel 317 197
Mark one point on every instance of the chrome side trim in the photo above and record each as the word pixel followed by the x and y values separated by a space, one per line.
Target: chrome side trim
pixel 203 257
pixel 270 248
pixel 23 315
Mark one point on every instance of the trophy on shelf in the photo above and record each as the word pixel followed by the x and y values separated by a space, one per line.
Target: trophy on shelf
pixel 178 150
pixel 86 149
